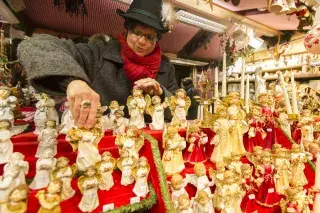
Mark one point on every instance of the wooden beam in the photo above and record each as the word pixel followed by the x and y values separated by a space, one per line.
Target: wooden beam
pixel 251 12
pixel 201 38
pixel 223 15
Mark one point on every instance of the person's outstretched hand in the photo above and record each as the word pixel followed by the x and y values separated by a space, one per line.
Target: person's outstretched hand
pixel 83 102
pixel 149 86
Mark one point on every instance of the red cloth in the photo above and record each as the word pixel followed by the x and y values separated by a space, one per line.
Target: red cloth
pixel 137 67
pixel 198 153
pixel 248 201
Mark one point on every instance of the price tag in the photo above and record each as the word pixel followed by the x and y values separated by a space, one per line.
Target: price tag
pixel 271 190
pixel 269 130
pixel 134 200
pixel 230 210
pixel 252 197
pixel 108 207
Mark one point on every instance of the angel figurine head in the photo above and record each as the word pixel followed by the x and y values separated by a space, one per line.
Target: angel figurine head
pixel 276 147
pixel 114 105
pixel 118 113
pixel 233 98
pixel 177 181
pixel 4 92
pixel 229 177
pixel 235 156
pixel 136 92
pixel 200 169
pixel 257 151
pixel 181 93
pixel 314 149
pixel 156 100
pixel 220 167
pixel 132 132
pixel 184 202
pixel 5 124
pixel 246 170
pixel 202 197
pixel 62 162
pixel 91 171
pixel 263 99
pixel 106 156
pixel 54 186
pixel 295 148
pixel 255 110
pixel 17 200
pixel 143 162
pixel 266 157
pixel 222 111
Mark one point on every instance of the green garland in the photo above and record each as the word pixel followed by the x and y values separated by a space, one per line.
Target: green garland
pixel 145 204
pixel 293 142
pixel 162 175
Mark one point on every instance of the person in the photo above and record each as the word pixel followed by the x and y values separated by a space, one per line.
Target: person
pixel 94 73
pixel 188 86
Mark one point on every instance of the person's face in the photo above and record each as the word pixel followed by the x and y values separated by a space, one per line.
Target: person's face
pixel 142 40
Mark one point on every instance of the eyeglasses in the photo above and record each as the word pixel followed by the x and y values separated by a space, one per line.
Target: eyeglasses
pixel 138 34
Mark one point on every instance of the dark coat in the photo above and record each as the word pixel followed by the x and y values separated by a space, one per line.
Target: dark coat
pixel 52 63
pixel 193 109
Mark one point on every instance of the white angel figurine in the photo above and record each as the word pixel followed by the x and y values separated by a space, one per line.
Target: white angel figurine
pixel 105 169
pixel 7 103
pixel 119 123
pixel 89 186
pixel 108 120
pixel 6 146
pixel 67 121
pixel 45 111
pixel 184 204
pixel 137 105
pixel 44 168
pixel 126 164
pixel 173 145
pixel 64 172
pixel 48 139
pixel 156 111
pixel 203 203
pixel 8 182
pixel 86 142
pixel 17 160
pixel 179 105
pixel 132 141
pixel 17 202
pixel 178 185
pixel 141 173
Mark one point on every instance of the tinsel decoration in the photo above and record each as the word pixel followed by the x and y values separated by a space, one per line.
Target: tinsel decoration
pixel 72 7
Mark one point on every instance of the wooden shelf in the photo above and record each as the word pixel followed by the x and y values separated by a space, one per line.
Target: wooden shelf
pixel 236 81
pixel 301 76
pixel 282 68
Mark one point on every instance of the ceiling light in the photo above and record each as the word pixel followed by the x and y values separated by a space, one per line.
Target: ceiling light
pixel 197 21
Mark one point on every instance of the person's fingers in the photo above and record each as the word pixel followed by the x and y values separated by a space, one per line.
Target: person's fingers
pixel 84 111
pixel 76 107
pixel 71 105
pixel 95 102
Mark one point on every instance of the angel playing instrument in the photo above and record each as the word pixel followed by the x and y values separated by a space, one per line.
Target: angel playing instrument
pixel 179 105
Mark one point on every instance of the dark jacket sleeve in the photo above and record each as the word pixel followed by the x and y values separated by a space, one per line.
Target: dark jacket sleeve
pixel 52 63
pixel 172 83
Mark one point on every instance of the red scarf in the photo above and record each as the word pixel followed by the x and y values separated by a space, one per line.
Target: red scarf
pixel 137 67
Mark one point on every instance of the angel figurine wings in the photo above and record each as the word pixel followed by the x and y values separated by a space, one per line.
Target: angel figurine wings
pixel 105 169
pixel 50 199
pixel 126 164
pixel 141 173
pixel 178 185
pixel 7 103
pixel 179 105
pixel 17 202
pixel 48 139
pixel 156 111
pixel 137 104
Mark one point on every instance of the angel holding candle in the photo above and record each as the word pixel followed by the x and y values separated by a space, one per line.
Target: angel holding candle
pixel 248 201
pixel 137 105
pixel 202 203
pixel 48 139
pixel 197 139
pixel 50 199
pixel 184 204
pixel 7 104
pixel 105 169
pixel 89 186
pixel 44 168
pixel 218 177
pixel 221 138
pixel 156 111
pixel 45 111
pixel 126 164
pixel 256 134
pixel 173 145
pixel 179 105
pixel 141 173
pixel 64 172
pixel 17 202
pixel 283 170
pixel 178 185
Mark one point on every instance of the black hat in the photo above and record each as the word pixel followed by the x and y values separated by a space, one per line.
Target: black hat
pixel 148 12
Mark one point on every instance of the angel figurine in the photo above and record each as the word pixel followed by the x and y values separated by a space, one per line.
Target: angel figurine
pixel 44 168
pixel 45 111
pixel 256 134
pixel 184 204
pixel 234 163
pixel 283 170
pixel 108 120
pixel 67 121
pixel 197 139
pixel 17 202
pixel 178 185
pixel 141 173
pixel 105 169
pixel 17 160
pixel 218 177
pixel 7 104
pixel 221 138
pixel 6 146
pixel 9 181
pixel 255 158
pixel 48 139
pixel 126 164
pixel 119 123
pixel 306 125
pixel 248 201
pixel 89 186
pixel 173 145
pixel 86 142
pixel 137 104
pixel 132 141
pixel 179 106
pixel 156 111
pixel 202 203
pixel 65 173
pixel 50 199
pixel 298 159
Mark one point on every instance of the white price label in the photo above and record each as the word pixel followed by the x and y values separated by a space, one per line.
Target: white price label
pixel 134 200
pixel 230 210
pixel 271 190
pixel 269 130
pixel 108 207
pixel 252 197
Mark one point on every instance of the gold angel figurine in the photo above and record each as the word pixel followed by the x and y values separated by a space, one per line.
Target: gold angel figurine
pixel 255 158
pixel 108 120
pixel 202 203
pixel 141 173
pixel 17 202
pixel 178 185
pixel 156 111
pixel 126 164
pixel 89 185
pixel 137 104
pixel 50 199
pixel 119 123
pixel 132 141
pixel 105 169
pixel 218 177
pixel 173 145
pixel 283 170
pixel 179 105
pixel 184 204
pixel 65 173
pixel 234 162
